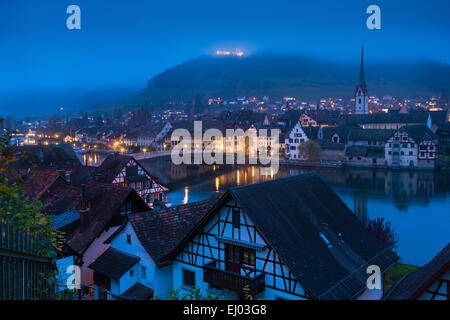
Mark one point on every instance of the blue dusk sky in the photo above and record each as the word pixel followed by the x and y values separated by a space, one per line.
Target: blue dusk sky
pixel 128 42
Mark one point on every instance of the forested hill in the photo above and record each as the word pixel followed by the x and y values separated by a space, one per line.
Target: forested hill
pixel 295 75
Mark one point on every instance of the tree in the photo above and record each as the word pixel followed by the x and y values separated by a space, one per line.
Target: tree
pixel 383 231
pixel 15 205
pixel 310 150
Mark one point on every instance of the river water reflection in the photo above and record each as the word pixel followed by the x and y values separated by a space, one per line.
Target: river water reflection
pixel 416 202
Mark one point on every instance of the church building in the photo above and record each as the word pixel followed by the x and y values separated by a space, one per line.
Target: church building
pixel 361 92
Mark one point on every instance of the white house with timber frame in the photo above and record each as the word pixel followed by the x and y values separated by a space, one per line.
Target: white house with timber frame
pixel 290 238
pixel 126 171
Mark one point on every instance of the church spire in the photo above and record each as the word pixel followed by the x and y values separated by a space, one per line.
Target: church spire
pixel 362 80
pixel 361 92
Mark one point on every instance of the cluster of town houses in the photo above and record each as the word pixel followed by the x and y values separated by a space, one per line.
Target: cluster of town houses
pixel 383 140
pixel 400 138
pixel 394 140
pixel 289 238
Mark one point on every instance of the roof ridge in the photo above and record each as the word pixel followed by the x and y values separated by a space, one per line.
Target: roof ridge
pixel 309 173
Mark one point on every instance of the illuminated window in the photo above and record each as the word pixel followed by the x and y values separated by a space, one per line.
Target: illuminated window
pixel 248 257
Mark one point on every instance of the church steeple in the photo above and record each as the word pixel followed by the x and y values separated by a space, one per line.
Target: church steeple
pixel 361 92
pixel 362 80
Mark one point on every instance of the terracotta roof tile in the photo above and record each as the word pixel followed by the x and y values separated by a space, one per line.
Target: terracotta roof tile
pixel 161 231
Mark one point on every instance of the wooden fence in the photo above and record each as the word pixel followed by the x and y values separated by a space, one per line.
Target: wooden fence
pixel 25 268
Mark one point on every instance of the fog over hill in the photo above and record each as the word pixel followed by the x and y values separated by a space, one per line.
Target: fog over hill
pixel 35 103
pixel 260 74
pixel 294 75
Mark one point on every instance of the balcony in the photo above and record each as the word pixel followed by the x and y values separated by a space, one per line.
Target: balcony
pixel 232 281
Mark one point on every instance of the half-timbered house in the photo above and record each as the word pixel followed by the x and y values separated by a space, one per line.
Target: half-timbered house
pixel 87 214
pixel 430 282
pixel 290 238
pixel 126 171
pixel 136 252
pixel 412 147
pixel 295 136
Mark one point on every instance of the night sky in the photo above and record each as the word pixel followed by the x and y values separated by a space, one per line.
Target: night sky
pixel 127 42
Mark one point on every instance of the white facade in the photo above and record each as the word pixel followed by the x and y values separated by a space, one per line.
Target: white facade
pixel 361 102
pixel 95 250
pixel 149 190
pixel 296 137
pixel 210 245
pixel 145 271
pixel 403 152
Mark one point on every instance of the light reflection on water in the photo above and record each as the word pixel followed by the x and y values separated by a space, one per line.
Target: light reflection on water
pixel 415 202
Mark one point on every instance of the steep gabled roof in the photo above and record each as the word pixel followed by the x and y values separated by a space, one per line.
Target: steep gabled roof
pixel 360 134
pixel 311 132
pixel 325 116
pixel 342 131
pixel 290 117
pixel 60 197
pixel 293 214
pixel 81 174
pixel 52 157
pixel 113 263
pixel 412 285
pixel 419 133
pixel 39 181
pixel 106 202
pixel 162 230
pixel 112 166
pixel 413 117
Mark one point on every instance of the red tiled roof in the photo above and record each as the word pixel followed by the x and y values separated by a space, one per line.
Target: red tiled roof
pixel 161 231
pixel 106 201
pixel 60 197
pixel 38 182
pixel 111 167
